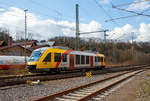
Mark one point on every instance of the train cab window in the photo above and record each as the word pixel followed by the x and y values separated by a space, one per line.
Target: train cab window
pixel 64 57
pixel 87 60
pixel 82 59
pixel 47 58
pixel 57 57
pixel 77 59
pixel 101 59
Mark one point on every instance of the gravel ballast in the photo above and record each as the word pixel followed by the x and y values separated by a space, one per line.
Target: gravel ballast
pixel 27 92
pixel 131 90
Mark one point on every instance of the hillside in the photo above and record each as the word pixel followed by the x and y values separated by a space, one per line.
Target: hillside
pixel 115 52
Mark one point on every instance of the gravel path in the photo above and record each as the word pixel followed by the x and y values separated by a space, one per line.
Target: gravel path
pixel 28 92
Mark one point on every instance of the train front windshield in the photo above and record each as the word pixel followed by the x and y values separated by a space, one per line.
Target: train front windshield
pixel 35 56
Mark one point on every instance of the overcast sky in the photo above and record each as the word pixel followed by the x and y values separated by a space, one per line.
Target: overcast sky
pixel 50 18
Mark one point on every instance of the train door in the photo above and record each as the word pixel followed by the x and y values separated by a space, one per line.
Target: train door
pixel 71 62
pixel 91 60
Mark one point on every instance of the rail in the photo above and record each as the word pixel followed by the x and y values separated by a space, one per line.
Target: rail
pixel 85 92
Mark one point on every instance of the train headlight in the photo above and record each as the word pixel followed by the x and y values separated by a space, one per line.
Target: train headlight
pixel 32 63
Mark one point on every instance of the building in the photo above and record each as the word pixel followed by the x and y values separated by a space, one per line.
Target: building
pixel 49 43
pixel 14 50
pixel 11 48
pixel 28 43
pixel 36 47
pixel 42 44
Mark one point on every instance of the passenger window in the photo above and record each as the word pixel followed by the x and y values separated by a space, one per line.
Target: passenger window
pixel 57 57
pixel 98 59
pixel 64 57
pixel 47 58
pixel 101 59
pixel 82 59
pixel 77 59
pixel 95 59
pixel 87 59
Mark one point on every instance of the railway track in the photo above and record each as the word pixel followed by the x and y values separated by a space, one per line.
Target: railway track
pixel 89 91
pixel 22 79
pixel 39 74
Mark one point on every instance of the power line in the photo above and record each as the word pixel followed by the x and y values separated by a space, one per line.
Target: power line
pixel 123 17
pixel 137 14
pixel 14 14
pixel 127 16
pixel 94 32
pixel 85 11
pixel 44 6
pixel 38 11
pixel 125 4
pixel 102 8
pixel 56 11
pixel 22 15
pixel 146 10
pixel 47 16
pixel 106 14
pixel 48 8
pixel 61 26
pixel 130 11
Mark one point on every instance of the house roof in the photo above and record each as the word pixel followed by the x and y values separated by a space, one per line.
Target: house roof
pixel 6 47
pixel 23 43
pixel 50 43
pixel 36 47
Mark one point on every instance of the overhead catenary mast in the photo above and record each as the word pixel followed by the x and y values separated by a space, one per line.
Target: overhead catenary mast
pixel 77 46
pixel 25 36
pixel 77 28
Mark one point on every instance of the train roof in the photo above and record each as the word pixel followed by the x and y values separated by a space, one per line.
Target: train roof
pixel 90 53
pixel 56 47
pixel 82 53
pixel 42 49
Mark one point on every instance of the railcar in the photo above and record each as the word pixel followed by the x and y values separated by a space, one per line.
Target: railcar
pixel 9 62
pixel 49 59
